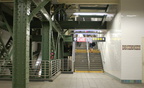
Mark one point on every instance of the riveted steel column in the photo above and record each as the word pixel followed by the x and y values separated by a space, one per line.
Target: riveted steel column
pixel 46 41
pixel 59 48
pixel 21 44
pixel 62 48
pixel 46 48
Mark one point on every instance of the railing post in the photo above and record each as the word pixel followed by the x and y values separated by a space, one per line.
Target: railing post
pixel 87 44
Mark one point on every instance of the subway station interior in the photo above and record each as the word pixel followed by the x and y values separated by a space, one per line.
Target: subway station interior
pixel 71 43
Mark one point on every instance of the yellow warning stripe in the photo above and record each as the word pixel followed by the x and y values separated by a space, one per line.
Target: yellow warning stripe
pixel 85 51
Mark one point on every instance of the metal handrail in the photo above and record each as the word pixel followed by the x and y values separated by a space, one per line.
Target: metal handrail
pixel 67 64
pixel 87 44
pixel 42 69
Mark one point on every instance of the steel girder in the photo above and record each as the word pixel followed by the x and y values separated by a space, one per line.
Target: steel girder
pixel 7 25
pixel 82 25
pixel 38 8
pixel 94 8
pixel 47 16
pixel 6 0
pixel 104 18
pixel 46 41
pixel 46 45
pixel 21 44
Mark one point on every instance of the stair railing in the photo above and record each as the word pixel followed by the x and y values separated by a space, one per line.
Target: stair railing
pixel 87 45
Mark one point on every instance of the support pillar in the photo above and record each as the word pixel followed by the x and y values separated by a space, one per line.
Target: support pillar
pixel 21 44
pixel 46 41
pixel 59 49
pixel 62 48
pixel 46 49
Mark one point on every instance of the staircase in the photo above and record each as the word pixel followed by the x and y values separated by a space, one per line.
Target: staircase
pixel 81 60
pixel 95 62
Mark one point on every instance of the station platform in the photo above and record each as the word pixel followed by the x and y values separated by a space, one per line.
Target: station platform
pixel 78 80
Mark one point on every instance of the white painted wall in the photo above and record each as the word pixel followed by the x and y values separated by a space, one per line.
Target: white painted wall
pixel 127 28
pixel 132 25
pixel 111 49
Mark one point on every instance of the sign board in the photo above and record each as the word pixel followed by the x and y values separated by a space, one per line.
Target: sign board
pixel 131 47
pixel 99 39
pixel 81 39
pixel 94 39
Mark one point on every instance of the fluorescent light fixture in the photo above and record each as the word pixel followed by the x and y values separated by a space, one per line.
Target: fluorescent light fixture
pixel 87 33
pixel 82 13
pixel 131 15
pixel 86 30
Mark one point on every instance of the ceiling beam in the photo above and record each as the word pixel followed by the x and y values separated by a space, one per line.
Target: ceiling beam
pixel 88 1
pixel 6 9
pixel 6 0
pixel 81 25
pixel 94 8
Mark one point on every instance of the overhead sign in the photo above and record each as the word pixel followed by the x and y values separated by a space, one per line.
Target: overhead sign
pixel 81 39
pixel 99 39
pixel 94 39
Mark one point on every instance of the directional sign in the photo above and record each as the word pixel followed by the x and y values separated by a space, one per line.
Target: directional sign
pixel 81 39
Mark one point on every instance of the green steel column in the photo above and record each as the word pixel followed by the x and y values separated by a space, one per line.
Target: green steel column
pixel 59 49
pixel 46 48
pixel 62 48
pixel 46 41
pixel 21 44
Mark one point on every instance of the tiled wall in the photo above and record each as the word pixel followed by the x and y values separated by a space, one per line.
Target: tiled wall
pixel 127 29
pixel 132 25
pixel 111 49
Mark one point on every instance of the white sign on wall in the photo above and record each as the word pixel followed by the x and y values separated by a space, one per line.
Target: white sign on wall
pixel 131 47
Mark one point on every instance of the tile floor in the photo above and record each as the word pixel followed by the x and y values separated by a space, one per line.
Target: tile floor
pixel 78 80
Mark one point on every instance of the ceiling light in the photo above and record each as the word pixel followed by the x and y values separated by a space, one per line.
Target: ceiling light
pixel 87 33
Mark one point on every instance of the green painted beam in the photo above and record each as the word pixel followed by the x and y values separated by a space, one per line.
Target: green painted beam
pixel 59 48
pixel 56 49
pixel 46 41
pixel 38 8
pixel 62 48
pixel 68 38
pixel 94 8
pixel 21 39
pixel 81 25
pixel 6 9
pixel 104 18
pixel 6 0
pixel 7 25
pixel 53 42
pixel 57 9
pixel 46 47
pixel 74 24
pixel 47 16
